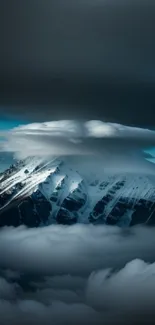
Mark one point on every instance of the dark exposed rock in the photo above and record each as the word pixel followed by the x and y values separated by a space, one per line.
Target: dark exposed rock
pixel 73 205
pixel 65 218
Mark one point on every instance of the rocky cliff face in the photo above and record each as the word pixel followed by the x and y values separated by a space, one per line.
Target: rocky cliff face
pixel 37 193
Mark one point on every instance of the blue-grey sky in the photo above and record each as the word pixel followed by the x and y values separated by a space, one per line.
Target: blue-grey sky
pixel 74 59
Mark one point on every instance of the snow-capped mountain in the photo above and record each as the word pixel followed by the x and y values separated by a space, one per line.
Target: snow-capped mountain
pixel 35 192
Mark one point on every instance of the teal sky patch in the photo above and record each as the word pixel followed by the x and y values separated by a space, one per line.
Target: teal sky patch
pixel 7 124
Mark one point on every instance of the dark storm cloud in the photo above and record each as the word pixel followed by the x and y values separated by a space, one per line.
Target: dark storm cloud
pixel 78 59
pixel 105 276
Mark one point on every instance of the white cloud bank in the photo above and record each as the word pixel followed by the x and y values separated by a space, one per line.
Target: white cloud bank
pixel 77 275
pixel 114 144
pixel 72 137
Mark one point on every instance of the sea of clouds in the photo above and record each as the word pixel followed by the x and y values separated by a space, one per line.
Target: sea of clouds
pixel 82 274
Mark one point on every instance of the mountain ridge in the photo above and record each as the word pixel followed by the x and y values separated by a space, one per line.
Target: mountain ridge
pixel 38 192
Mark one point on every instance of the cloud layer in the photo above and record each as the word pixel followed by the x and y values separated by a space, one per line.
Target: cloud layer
pixel 79 274
pixel 114 144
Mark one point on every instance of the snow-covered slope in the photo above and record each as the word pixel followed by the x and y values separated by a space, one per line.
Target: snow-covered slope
pixel 37 192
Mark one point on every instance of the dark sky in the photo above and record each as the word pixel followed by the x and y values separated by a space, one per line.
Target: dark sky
pixel 79 59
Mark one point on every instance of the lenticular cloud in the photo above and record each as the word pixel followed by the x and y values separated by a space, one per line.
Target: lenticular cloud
pixel 75 138
pixel 71 128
